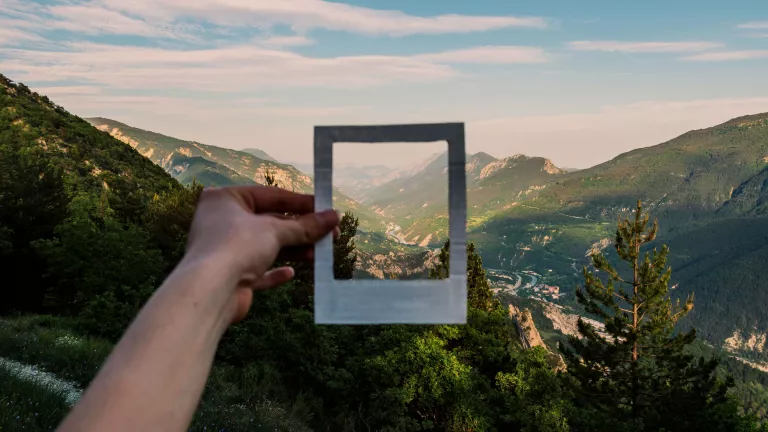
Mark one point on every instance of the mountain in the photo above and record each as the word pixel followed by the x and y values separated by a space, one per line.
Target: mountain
pixel 185 169
pixel 261 154
pixel 162 149
pixel 358 181
pixel 707 188
pixel 33 125
pixel 416 202
pixel 217 166
pixel 64 183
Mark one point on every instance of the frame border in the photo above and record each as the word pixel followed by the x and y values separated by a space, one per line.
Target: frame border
pixel 393 301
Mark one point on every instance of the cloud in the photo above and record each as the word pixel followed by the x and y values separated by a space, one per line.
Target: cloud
pixel 304 15
pixel 67 90
pixel 12 36
pixel 643 47
pixel 192 18
pixel 588 138
pixel 754 25
pixel 241 68
pixel 285 41
pixel 93 19
pixel 489 55
pixel 729 56
pixel 102 101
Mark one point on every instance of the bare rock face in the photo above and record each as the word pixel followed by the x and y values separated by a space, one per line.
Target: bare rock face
pixel 529 335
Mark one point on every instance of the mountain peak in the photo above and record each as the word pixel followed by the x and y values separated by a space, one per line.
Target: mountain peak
pixel 520 162
pixel 483 155
pixel 259 153
pixel 550 168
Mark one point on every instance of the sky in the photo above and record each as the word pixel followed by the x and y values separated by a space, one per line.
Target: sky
pixel 576 82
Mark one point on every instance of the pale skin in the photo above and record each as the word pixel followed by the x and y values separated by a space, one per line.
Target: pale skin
pixel 155 376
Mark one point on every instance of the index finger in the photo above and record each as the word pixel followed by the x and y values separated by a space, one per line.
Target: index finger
pixel 268 199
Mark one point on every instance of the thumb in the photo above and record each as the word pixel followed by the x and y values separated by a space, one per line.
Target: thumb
pixel 307 229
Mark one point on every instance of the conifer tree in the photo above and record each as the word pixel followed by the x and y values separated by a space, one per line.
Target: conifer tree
pixel 479 294
pixel 637 371
pixel 344 255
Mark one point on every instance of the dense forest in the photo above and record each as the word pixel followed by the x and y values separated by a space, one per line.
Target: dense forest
pixel 89 228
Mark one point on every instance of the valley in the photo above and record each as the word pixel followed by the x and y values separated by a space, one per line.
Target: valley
pixel 535 224
pixel 104 208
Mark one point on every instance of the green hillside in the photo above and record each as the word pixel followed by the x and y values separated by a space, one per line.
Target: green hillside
pixel 63 185
pixel 187 169
pixel 161 149
pixel 216 166
pixel 418 202
pixel 708 189
pixel 89 227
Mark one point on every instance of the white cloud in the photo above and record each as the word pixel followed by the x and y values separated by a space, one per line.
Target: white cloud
pixel 754 25
pixel 12 36
pixel 93 101
pixel 183 18
pixel 586 139
pixel 285 41
pixel 312 14
pixel 643 47
pixel 489 55
pixel 729 56
pixel 241 68
pixel 93 19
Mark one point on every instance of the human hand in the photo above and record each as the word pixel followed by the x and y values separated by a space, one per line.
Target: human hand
pixel 244 230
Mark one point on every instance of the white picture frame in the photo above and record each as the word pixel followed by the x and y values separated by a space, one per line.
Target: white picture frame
pixel 378 301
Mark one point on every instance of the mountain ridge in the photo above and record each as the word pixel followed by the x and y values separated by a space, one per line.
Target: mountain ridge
pixel 218 166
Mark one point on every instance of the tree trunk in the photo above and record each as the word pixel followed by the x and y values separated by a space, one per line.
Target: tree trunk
pixel 635 307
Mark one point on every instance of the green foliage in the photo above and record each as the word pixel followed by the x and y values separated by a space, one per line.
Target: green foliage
pixel 89 227
pixel 479 295
pixel 532 380
pixel 93 253
pixel 27 405
pixel 234 399
pixel 344 255
pixel 640 375
pixel 62 180
pixel 53 344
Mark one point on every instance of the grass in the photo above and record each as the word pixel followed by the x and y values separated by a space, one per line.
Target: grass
pixel 27 405
pixel 45 363
pixel 51 345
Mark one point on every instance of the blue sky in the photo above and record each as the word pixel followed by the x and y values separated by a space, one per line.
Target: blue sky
pixel 577 82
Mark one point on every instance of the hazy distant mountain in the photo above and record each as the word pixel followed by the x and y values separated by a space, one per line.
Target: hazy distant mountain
pixel 417 200
pixel 356 180
pixel 261 154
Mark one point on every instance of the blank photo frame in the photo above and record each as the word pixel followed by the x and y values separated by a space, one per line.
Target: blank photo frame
pixel 393 301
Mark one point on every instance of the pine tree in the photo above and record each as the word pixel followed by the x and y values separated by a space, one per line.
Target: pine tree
pixel 344 256
pixel 637 372
pixel 479 294
pixel 269 178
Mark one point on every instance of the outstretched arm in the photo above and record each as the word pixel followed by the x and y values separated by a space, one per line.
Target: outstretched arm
pixel 154 378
